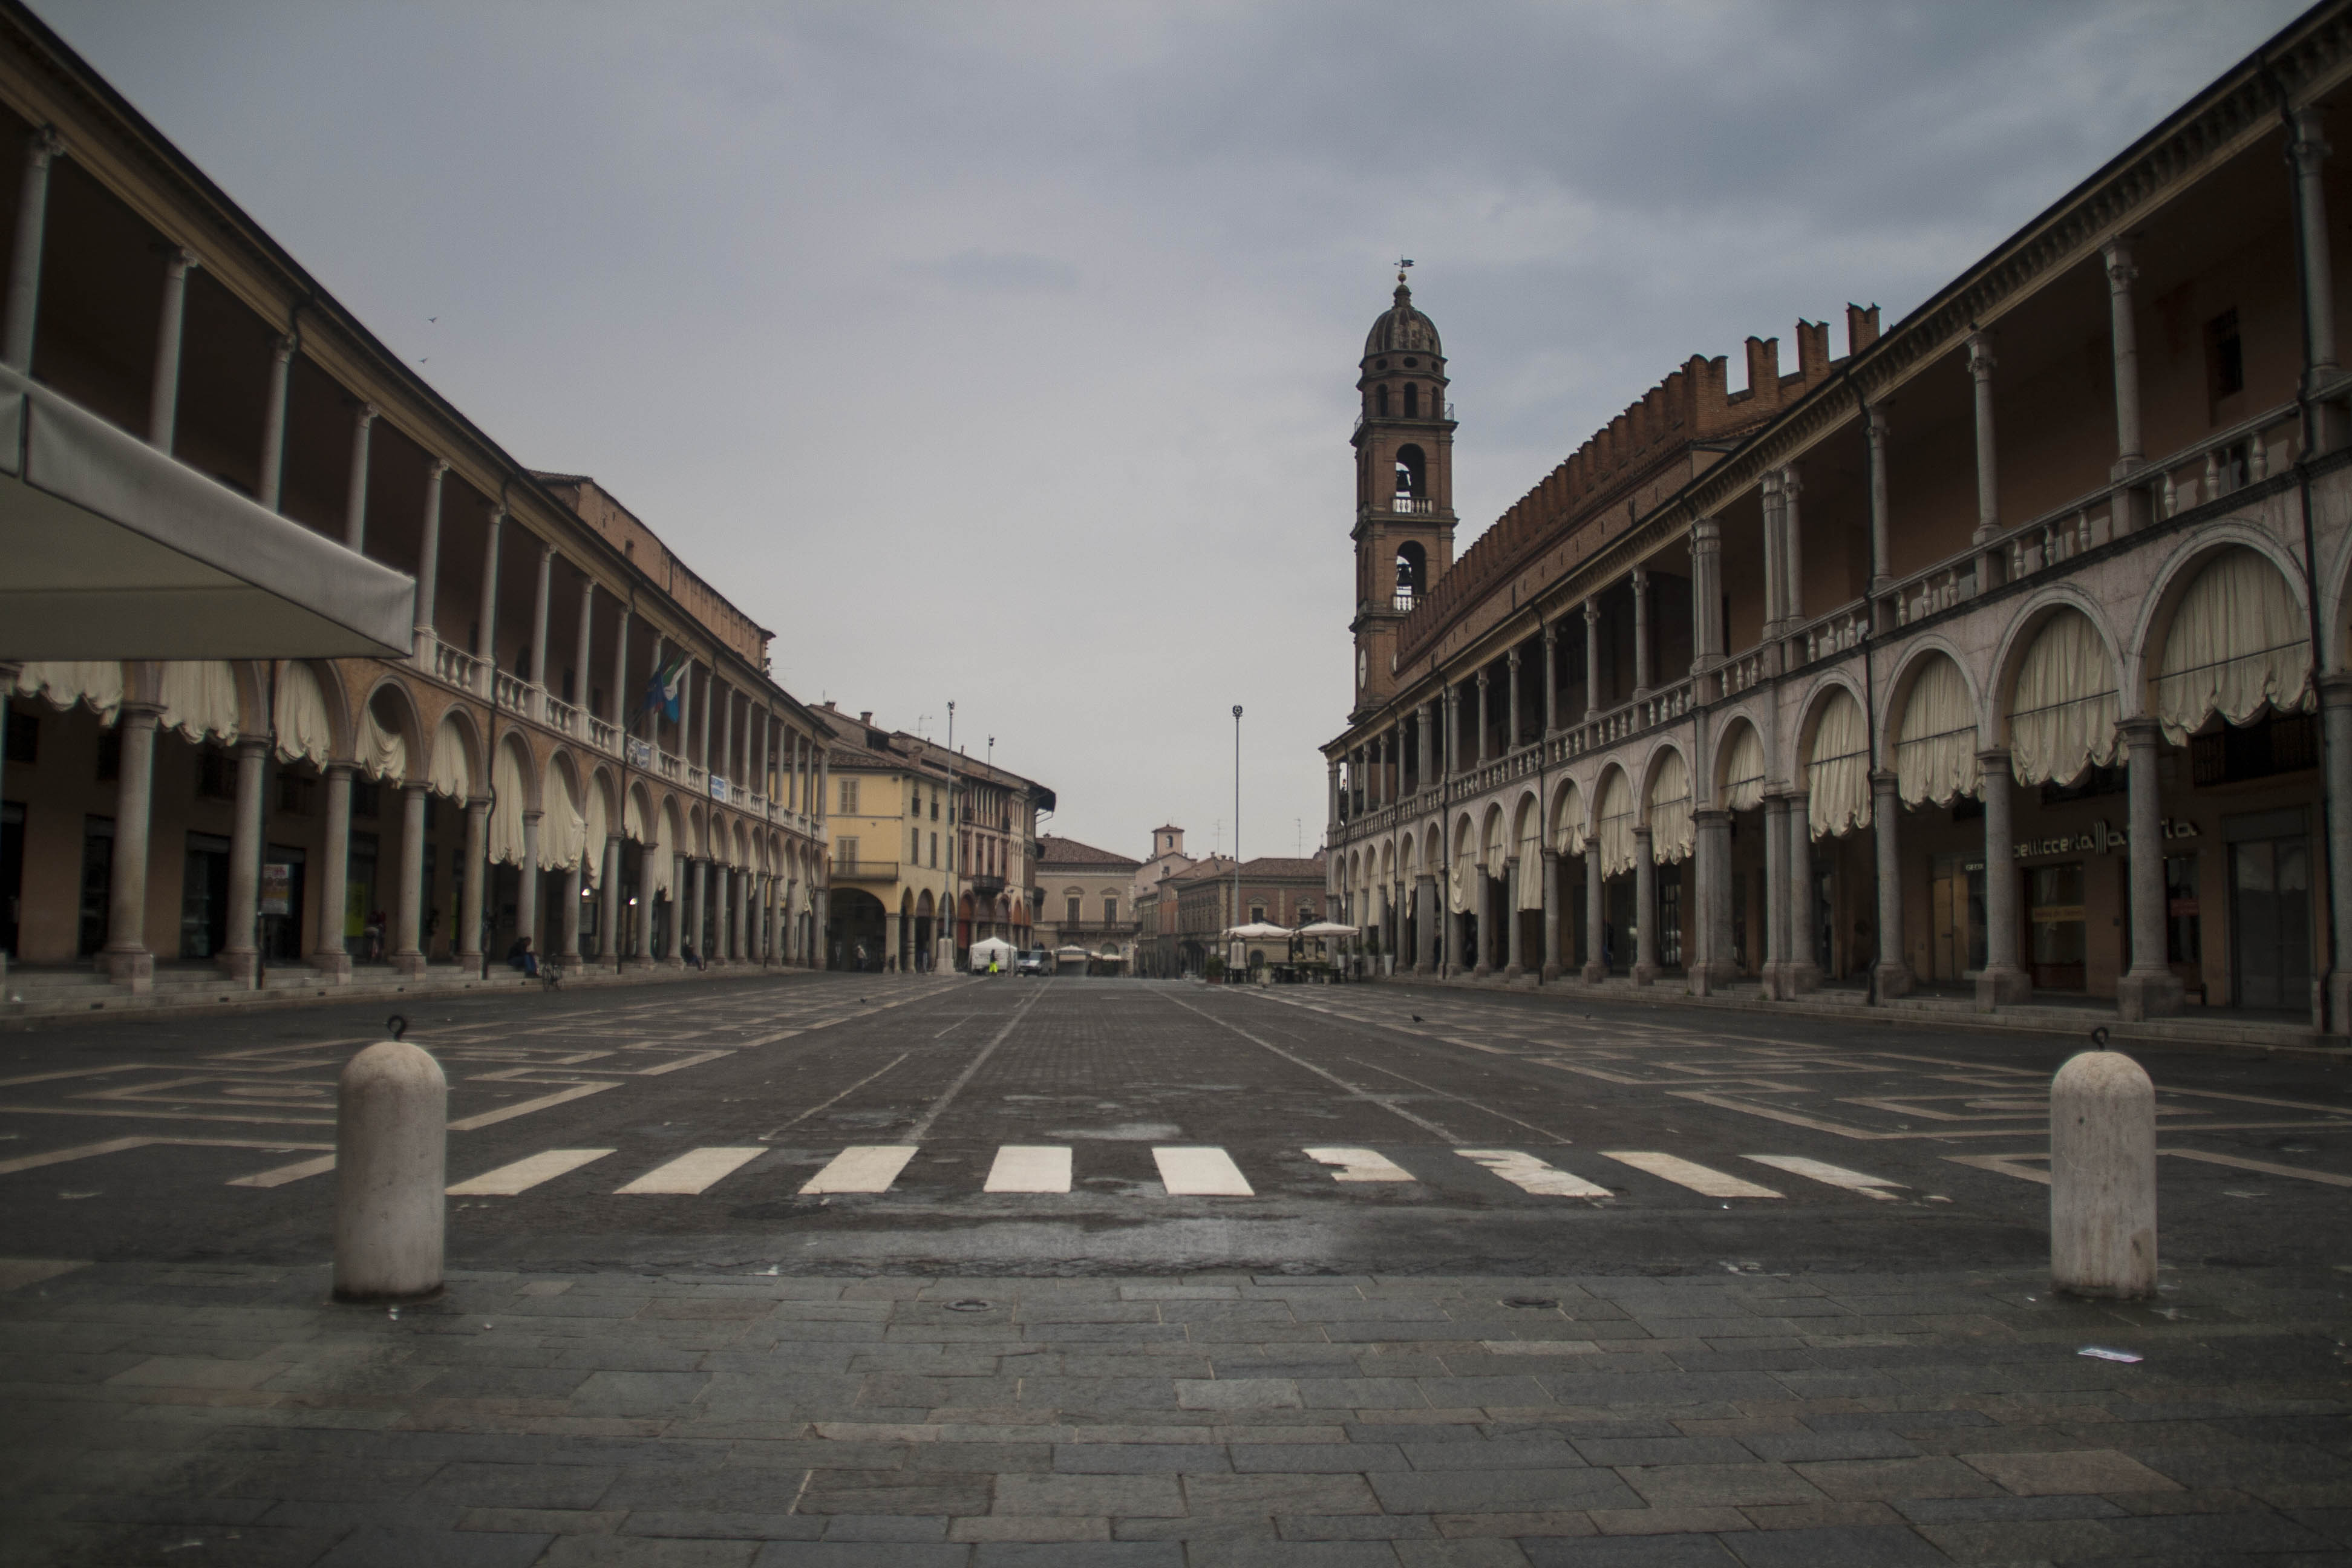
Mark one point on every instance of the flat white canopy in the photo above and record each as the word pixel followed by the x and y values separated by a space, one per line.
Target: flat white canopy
pixel 1326 928
pixel 109 549
pixel 1260 931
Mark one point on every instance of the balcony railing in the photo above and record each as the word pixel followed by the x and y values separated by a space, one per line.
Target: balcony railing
pixel 455 666
pixel 988 886
pixel 560 715
pixel 1839 630
pixel 865 871
pixel 603 736
pixel 1418 506
pixel 1401 600
pixel 671 766
pixel 509 692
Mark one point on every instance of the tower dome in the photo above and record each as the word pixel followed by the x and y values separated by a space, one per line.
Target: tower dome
pixel 1401 328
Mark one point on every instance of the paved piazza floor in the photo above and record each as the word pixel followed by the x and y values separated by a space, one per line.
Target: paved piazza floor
pixel 843 1269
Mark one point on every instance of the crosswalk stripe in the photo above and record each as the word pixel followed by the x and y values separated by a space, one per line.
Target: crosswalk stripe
pixel 1200 1173
pixel 524 1175
pixel 1359 1165
pixel 692 1172
pixel 282 1175
pixel 862 1168
pixel 1530 1174
pixel 1030 1168
pixel 1683 1173
pixel 1861 1182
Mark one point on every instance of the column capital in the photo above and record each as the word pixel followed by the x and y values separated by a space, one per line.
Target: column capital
pixel 2141 730
pixel 1591 612
pixel 1708 815
pixel 1482 680
pixel 436 467
pixel 1640 578
pixel 2336 689
pixel 1550 632
pixel 178 260
pixel 1706 533
pixel 1994 759
pixel 365 415
pixel 282 348
pixel 43 144
pixel 1874 422
pixel 531 814
pixel 1792 481
pixel 2117 253
pixel 331 770
pixel 546 552
pixel 414 787
pixel 1883 781
pixel 2310 144
pixel 1512 656
pixel 1980 358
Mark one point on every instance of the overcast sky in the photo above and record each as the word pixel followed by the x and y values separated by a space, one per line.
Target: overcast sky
pixel 1005 353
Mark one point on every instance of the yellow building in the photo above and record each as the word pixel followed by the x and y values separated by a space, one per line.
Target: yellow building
pixel 890 818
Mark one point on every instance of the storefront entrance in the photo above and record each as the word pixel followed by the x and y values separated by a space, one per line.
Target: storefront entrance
pixel 2269 910
pixel 2058 944
pixel 1956 902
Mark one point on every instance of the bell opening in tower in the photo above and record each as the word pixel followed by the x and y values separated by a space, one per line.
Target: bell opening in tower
pixel 1412 569
pixel 1411 472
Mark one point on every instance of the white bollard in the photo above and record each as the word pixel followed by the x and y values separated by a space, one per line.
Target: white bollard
pixel 2102 1177
pixel 392 1133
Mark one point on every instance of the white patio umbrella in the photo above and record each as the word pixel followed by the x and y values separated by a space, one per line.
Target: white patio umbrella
pixel 1328 928
pixel 1257 931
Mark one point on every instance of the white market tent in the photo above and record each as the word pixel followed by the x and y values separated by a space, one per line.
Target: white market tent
pixel 977 956
pixel 1328 928
pixel 115 551
pixel 1257 931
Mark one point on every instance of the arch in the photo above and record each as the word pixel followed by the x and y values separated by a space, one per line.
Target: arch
pixel 2236 641
pixel 389 739
pixel 1837 762
pixel 1411 471
pixel 2161 604
pixel 564 824
pixel 662 876
pixel 696 842
pixel 454 762
pixel 1613 821
pixel 1412 400
pixel 1739 766
pixel 743 848
pixel 1566 833
pixel 637 822
pixel 1466 858
pixel 1935 740
pixel 1412 573
pixel 1666 805
pixel 1432 849
pixel 512 793
pixel 1492 846
pixel 1380 402
pixel 596 824
pixel 923 906
pixel 2060 695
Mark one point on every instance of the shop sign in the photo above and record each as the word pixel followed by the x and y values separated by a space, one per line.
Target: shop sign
pixel 2101 839
pixel 277 887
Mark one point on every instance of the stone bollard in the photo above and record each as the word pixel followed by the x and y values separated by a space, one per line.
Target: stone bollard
pixel 392 1132
pixel 2103 1176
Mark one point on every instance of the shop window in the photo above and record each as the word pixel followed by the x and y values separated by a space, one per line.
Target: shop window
pixel 2053 899
pixel 2276 744
pixel 110 755
pixel 2184 941
pixel 24 737
pixel 203 897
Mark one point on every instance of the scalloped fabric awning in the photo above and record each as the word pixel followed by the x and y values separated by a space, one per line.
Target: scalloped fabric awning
pixel 2238 645
pixel 2062 719
pixel 1936 745
pixel 1837 774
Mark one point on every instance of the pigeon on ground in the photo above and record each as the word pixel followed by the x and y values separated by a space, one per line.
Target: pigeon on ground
pixel 1416 1018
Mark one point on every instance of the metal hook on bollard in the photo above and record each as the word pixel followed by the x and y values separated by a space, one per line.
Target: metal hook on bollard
pixel 2098 1038
pixel 398 1025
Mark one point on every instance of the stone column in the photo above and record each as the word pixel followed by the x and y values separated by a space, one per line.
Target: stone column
pixel 1596 964
pixel 428 560
pixel 1707 595
pixel 330 958
pixel 1775 967
pixel 1514 957
pixel 1551 676
pixel 163 396
pixel 726 738
pixel 689 922
pixel 356 494
pixel 1511 718
pixel 743 942
pixel 1591 659
pixel 2149 989
pixel 1449 739
pixel 128 961
pixel 1776 574
pixel 1482 718
pixel 583 646
pixel 2004 982
pixel 1804 971
pixel 2310 152
pixel 240 956
pixel 527 883
pixel 1892 973
pixel 1980 368
pixel 1482 892
pixel 2335 715
pixel 2124 336
pixel 1426 955
pixel 620 715
pixel 469 944
pixel 539 627
pixel 24 263
pixel 567 931
pixel 1882 545
pixel 1792 547
pixel 1646 907
pixel 608 922
pixel 1641 586
pixel 1711 870
pixel 409 899
pixel 1549 974
pixel 1331 793
pixel 273 428
pixel 485 633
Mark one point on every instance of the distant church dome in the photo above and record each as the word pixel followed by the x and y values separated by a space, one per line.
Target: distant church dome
pixel 1401 328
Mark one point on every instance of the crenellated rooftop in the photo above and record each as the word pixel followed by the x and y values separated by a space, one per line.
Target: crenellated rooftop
pixel 1674 432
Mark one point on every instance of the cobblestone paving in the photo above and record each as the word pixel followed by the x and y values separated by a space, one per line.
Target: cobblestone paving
pixel 178 1414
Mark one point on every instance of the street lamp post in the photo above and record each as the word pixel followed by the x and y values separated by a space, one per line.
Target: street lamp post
pixel 1237 823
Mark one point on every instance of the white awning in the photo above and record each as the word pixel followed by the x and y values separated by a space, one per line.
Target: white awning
pixel 1670 811
pixel 115 551
pixel 1935 746
pixel 2063 718
pixel 2239 643
pixel 1743 771
pixel 1614 826
pixel 1837 778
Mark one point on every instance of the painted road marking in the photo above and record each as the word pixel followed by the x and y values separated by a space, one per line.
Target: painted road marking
pixel 1699 1179
pixel 524 1175
pixel 1861 1182
pixel 1530 1174
pixel 282 1175
pixel 2005 1164
pixel 1030 1168
pixel 1202 1174
pixel 2298 1172
pixel 1359 1165
pixel 862 1168
pixel 123 1146
pixel 692 1172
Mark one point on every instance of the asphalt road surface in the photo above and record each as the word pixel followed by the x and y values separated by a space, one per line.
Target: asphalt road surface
pixel 843 1123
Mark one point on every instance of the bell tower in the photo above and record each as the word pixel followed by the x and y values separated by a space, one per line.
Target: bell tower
pixel 1405 487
